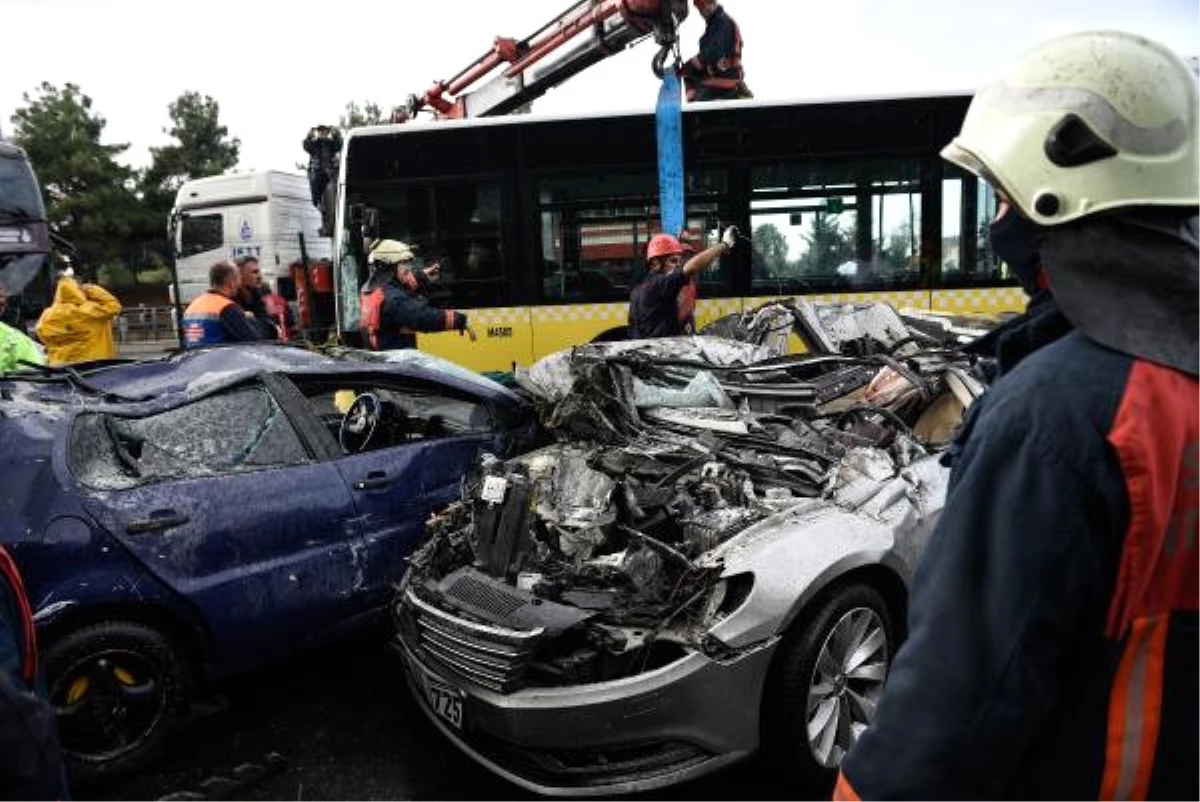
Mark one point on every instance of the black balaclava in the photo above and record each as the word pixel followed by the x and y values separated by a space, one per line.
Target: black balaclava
pixel 1015 240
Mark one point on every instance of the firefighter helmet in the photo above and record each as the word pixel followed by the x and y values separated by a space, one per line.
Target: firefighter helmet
pixel 1086 123
pixel 390 252
pixel 663 245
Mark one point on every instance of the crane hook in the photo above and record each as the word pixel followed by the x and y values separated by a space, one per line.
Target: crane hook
pixel 658 65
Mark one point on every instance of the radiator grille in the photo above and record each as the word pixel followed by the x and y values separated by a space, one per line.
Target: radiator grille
pixel 493 657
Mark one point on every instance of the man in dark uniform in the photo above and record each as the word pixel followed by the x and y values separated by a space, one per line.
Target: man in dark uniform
pixel 393 304
pixel 323 146
pixel 654 301
pixel 251 296
pixel 1052 649
pixel 715 73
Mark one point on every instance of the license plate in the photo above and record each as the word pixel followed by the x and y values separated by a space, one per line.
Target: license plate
pixel 445 700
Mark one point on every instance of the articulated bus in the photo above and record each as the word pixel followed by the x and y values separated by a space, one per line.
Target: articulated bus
pixel 541 223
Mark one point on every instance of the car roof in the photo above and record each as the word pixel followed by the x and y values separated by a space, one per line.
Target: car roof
pixel 203 370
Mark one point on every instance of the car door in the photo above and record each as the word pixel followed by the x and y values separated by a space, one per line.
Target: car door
pixel 222 499
pixel 396 483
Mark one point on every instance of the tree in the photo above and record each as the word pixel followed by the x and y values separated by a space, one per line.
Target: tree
pixel 202 148
pixel 357 116
pixel 828 246
pixel 770 252
pixel 89 196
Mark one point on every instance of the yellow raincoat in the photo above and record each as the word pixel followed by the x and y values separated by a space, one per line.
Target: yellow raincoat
pixel 78 325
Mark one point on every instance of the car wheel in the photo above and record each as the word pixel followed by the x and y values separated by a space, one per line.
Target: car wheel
pixel 826 681
pixel 118 689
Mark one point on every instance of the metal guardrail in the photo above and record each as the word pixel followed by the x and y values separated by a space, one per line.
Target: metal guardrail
pixel 145 324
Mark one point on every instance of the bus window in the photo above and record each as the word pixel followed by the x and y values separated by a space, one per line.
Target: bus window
pixel 968 207
pixel 457 223
pixel 835 227
pixel 199 233
pixel 594 230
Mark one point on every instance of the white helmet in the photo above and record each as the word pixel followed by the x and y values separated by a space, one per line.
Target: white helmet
pixel 1086 123
pixel 390 252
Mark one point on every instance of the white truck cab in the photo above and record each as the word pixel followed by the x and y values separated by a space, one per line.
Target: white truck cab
pixel 264 213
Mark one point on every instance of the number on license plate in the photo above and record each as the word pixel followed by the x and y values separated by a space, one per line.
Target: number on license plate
pixel 445 701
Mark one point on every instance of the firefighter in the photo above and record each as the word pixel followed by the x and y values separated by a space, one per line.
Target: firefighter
pixel 30 759
pixel 1052 649
pixel 215 317
pixel 393 305
pixel 715 73
pixel 654 308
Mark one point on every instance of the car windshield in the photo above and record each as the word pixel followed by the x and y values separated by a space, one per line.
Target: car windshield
pixel 233 432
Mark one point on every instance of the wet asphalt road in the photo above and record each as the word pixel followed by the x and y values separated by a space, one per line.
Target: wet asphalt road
pixel 340 724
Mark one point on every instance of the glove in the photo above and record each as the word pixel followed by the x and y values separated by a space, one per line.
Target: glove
pixel 729 238
pixel 460 321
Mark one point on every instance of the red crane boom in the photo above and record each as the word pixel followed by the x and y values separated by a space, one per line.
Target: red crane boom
pixel 612 25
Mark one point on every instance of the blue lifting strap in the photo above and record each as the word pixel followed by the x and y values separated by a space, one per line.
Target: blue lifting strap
pixel 669 119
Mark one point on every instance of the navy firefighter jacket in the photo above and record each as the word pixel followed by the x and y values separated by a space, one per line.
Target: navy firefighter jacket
pixel 1053 641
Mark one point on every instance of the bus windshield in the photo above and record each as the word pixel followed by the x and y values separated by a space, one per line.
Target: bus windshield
pixel 20 198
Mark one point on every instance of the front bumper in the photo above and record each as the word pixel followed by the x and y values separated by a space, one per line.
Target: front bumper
pixel 654 729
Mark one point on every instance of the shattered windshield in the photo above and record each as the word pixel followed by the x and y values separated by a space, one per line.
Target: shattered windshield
pixel 233 432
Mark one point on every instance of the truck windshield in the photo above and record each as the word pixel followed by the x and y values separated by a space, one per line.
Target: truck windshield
pixel 199 233
pixel 19 195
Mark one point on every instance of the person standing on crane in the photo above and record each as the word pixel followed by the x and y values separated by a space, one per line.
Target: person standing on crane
pixel 393 305
pixel 654 302
pixel 715 73
pixel 323 146
pixel 1052 646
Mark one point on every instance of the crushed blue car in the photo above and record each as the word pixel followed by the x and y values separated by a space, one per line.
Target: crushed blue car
pixel 182 520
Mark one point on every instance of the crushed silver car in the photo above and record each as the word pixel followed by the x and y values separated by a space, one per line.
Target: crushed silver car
pixel 712 559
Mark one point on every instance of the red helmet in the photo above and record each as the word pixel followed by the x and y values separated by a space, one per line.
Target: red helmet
pixel 663 245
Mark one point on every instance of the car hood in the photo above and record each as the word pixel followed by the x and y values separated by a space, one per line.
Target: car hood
pixel 697 494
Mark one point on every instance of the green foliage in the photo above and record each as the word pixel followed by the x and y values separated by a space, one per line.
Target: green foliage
pixel 828 246
pixel 89 196
pixel 115 274
pixel 769 259
pixel 202 147
pixel 155 275
pixel 357 116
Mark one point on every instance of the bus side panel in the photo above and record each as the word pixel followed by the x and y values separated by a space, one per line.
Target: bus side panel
pixel 563 326
pixel 504 336
pixel 981 300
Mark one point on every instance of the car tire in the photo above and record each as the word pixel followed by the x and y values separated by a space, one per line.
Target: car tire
pixel 825 682
pixel 119 690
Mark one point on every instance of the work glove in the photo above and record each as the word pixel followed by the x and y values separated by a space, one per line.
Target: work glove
pixel 729 238
pixel 460 321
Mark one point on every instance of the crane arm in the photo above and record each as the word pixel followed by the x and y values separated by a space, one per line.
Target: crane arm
pixel 538 62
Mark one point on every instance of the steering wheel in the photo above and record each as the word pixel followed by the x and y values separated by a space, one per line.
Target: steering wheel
pixel 360 422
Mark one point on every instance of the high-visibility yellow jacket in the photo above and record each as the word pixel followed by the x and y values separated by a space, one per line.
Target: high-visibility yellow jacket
pixel 15 347
pixel 78 325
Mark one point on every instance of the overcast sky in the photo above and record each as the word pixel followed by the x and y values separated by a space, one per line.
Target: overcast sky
pixel 278 68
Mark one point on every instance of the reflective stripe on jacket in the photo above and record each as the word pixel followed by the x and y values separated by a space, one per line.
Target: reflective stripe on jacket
pixel 1053 638
pixel 202 320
